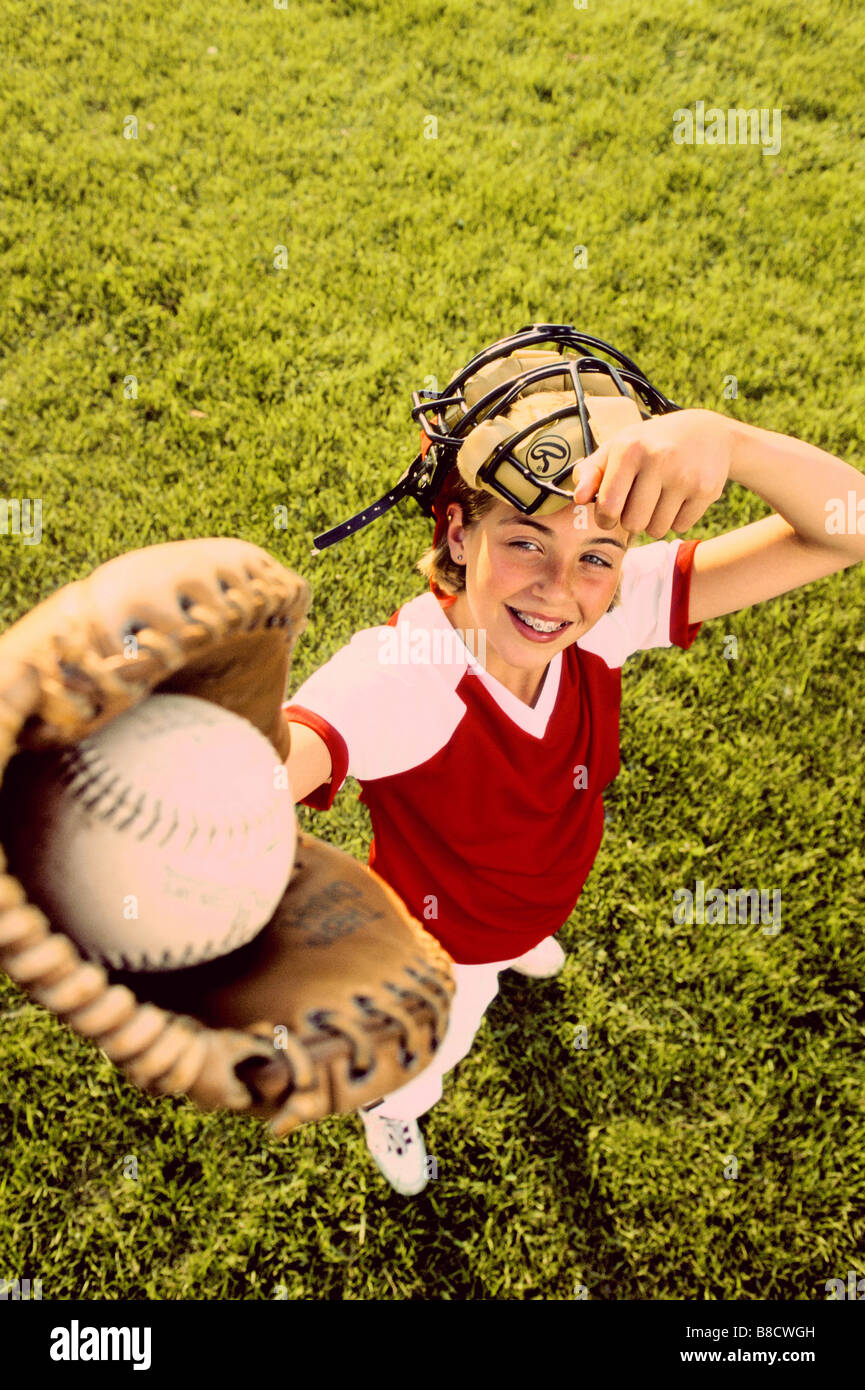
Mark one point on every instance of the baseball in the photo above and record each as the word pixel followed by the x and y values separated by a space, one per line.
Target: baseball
pixel 164 840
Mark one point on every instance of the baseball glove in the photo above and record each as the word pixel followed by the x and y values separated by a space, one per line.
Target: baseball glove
pixel 342 996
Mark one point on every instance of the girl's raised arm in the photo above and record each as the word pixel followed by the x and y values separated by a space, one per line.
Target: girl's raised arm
pixel 663 474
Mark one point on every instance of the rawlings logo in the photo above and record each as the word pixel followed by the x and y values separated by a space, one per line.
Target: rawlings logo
pixel 548 454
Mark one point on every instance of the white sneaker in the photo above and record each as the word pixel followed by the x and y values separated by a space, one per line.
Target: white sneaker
pixel 398 1149
pixel 542 961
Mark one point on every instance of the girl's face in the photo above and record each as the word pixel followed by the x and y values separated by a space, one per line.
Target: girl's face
pixel 526 573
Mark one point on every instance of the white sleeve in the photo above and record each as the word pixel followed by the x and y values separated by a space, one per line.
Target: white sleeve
pixel 391 715
pixel 641 620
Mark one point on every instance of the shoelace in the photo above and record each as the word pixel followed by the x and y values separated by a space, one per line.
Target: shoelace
pixel 398 1132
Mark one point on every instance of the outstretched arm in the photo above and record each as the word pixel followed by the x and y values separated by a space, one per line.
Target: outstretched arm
pixel 662 475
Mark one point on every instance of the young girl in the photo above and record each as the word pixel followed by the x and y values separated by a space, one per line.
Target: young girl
pixel 482 720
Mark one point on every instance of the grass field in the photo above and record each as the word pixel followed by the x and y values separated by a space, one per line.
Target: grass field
pixel 169 371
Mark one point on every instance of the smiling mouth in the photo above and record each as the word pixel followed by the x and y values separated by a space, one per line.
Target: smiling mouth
pixel 537 624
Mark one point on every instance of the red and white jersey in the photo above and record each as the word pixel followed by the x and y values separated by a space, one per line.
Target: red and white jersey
pixel 487 814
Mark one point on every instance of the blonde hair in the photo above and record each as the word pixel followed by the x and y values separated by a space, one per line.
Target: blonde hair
pixel 445 576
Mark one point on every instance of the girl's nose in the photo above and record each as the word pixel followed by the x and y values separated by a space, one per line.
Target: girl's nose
pixel 556 582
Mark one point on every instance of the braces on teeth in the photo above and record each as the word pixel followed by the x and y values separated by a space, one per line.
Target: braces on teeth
pixel 538 624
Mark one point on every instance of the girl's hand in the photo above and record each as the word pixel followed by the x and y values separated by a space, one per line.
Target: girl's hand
pixel 660 475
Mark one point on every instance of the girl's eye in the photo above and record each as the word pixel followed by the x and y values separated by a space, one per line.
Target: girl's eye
pixel 599 560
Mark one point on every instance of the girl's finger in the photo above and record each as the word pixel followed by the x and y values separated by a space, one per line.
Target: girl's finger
pixel 665 516
pixel 613 493
pixel 645 496
pixel 689 514
pixel 589 472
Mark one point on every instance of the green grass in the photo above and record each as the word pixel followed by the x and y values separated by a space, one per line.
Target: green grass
pixel 153 258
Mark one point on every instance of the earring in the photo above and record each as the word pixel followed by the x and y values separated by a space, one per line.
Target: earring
pixel 459 557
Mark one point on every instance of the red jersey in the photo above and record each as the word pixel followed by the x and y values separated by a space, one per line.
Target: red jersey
pixel 487 814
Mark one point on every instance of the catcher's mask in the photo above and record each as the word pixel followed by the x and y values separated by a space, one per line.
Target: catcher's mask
pixel 529 467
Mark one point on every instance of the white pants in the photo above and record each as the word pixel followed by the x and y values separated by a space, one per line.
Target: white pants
pixel 476 988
